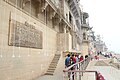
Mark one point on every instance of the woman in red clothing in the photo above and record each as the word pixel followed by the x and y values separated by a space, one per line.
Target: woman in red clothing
pixel 81 58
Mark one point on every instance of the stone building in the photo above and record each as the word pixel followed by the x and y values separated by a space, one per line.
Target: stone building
pixel 85 28
pixel 91 36
pixel 77 33
pixel 33 32
pixel 100 45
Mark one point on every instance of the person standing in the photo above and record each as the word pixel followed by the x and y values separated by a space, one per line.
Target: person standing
pixel 76 56
pixel 74 59
pixel 67 60
pixel 86 56
pixel 81 58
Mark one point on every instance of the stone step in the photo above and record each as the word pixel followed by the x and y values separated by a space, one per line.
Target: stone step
pixel 48 73
pixel 54 62
pixel 57 54
pixel 53 65
pixel 51 69
pixel 55 59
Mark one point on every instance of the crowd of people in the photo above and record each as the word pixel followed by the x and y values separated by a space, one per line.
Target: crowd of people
pixel 72 59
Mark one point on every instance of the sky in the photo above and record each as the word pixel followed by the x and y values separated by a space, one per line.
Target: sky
pixel 104 17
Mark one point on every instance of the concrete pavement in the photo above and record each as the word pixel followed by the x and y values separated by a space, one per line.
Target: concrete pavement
pixel 102 66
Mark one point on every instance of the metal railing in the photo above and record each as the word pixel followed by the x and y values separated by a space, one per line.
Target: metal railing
pixel 77 75
pixel 78 71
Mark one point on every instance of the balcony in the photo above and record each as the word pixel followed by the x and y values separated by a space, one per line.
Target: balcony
pixel 85 20
pixel 85 26
pixel 73 4
pixel 55 6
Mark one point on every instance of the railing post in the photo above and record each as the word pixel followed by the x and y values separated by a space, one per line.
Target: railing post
pixel 79 71
pixel 70 75
pixel 63 75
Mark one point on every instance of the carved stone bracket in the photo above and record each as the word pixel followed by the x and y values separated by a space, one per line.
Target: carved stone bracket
pixel 24 2
pixel 59 20
pixel 67 28
pixel 52 14
pixel 44 6
pixel 56 19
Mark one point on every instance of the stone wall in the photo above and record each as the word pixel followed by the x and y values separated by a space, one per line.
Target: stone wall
pixel 64 42
pixel 85 49
pixel 23 63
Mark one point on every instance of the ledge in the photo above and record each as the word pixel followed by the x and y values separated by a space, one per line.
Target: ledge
pixel 86 41
pixel 85 26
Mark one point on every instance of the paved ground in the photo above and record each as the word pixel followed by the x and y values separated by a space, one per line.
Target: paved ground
pixel 101 63
pixel 109 72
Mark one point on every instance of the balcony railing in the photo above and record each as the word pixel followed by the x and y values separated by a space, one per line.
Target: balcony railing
pixel 52 4
pixel 57 10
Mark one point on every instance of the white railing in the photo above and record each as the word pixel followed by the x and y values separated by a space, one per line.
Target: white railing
pixel 77 70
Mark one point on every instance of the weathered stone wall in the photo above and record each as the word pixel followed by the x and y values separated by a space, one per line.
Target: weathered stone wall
pixel 23 63
pixel 85 49
pixel 64 42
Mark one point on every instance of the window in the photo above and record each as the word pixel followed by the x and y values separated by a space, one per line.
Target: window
pixel 29 6
pixel 70 18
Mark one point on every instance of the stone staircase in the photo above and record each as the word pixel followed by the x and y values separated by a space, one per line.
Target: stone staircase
pixel 53 65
